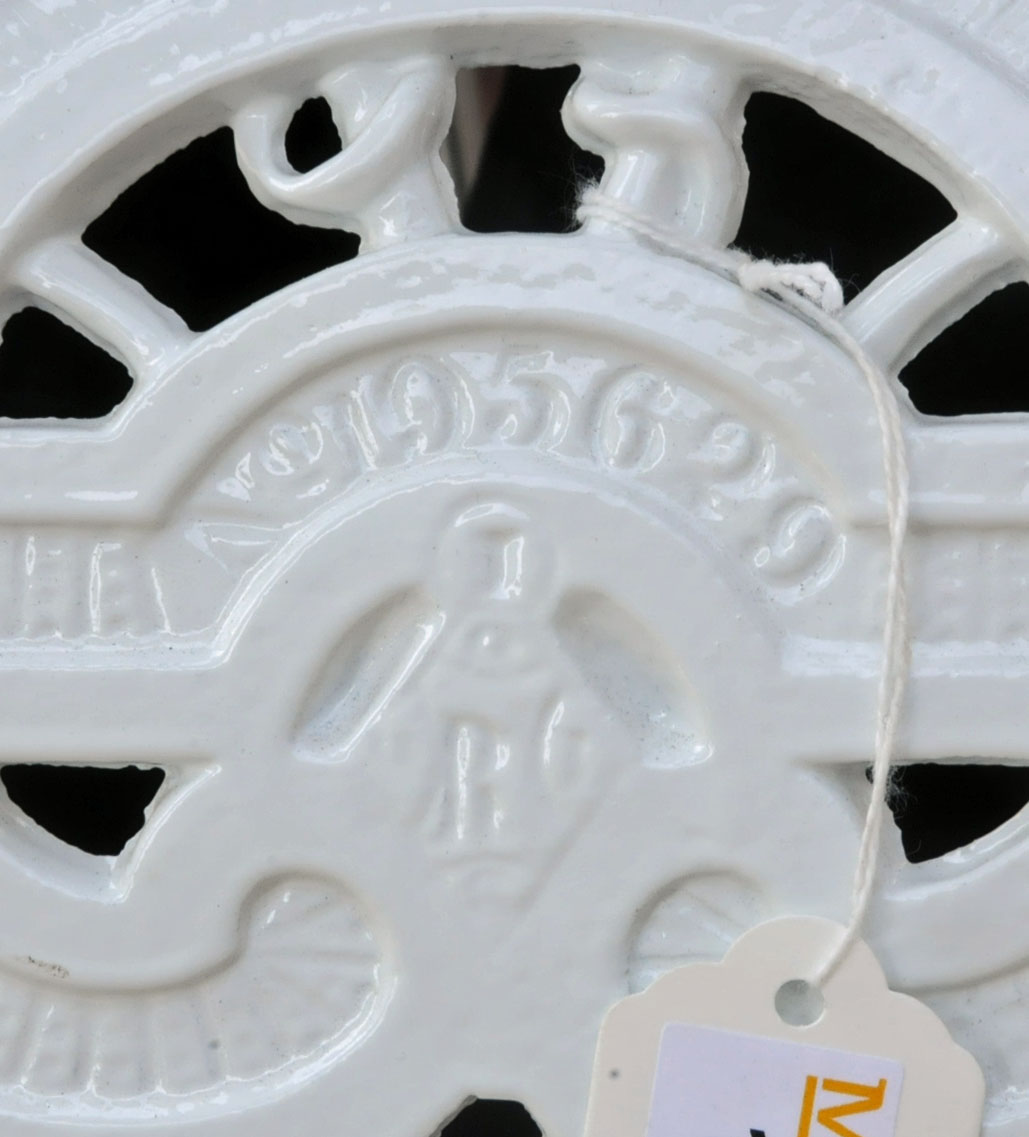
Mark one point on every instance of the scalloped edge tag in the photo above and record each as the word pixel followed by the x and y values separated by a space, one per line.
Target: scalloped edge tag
pixel 703 1052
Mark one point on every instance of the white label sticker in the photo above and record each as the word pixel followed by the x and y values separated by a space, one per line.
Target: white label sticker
pixel 717 1083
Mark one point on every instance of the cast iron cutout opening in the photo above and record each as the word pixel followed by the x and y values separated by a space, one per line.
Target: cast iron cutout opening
pixel 312 136
pixel 483 1117
pixel 817 192
pixel 48 370
pixel 95 808
pixel 977 365
pixel 191 232
pixel 515 168
pixel 940 807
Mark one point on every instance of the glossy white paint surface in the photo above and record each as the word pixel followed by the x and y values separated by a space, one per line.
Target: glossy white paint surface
pixel 505 609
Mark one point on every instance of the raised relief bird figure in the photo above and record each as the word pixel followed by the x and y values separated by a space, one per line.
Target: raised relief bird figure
pixel 510 703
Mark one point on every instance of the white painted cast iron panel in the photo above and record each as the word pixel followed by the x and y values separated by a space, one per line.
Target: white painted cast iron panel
pixel 504 609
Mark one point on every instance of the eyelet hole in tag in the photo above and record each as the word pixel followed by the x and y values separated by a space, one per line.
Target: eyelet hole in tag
pixel 799 1003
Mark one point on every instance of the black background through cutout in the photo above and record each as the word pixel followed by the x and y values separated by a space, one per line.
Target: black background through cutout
pixel 490 1118
pixel 191 232
pixel 97 809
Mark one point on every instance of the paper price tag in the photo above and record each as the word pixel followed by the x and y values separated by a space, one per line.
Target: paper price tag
pixel 705 1053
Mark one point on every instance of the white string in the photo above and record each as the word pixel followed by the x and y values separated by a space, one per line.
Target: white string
pixel 814 291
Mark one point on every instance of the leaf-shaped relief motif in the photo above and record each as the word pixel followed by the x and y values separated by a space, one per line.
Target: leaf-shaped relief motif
pixel 372 662
pixel 636 677
pixel 692 920
pixel 307 980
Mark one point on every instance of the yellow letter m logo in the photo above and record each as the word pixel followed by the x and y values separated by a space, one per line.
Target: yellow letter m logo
pixel 862 1099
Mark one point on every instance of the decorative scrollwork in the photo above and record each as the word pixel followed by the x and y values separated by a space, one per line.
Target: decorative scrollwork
pixel 663 129
pixel 388 183
pixel 306 948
